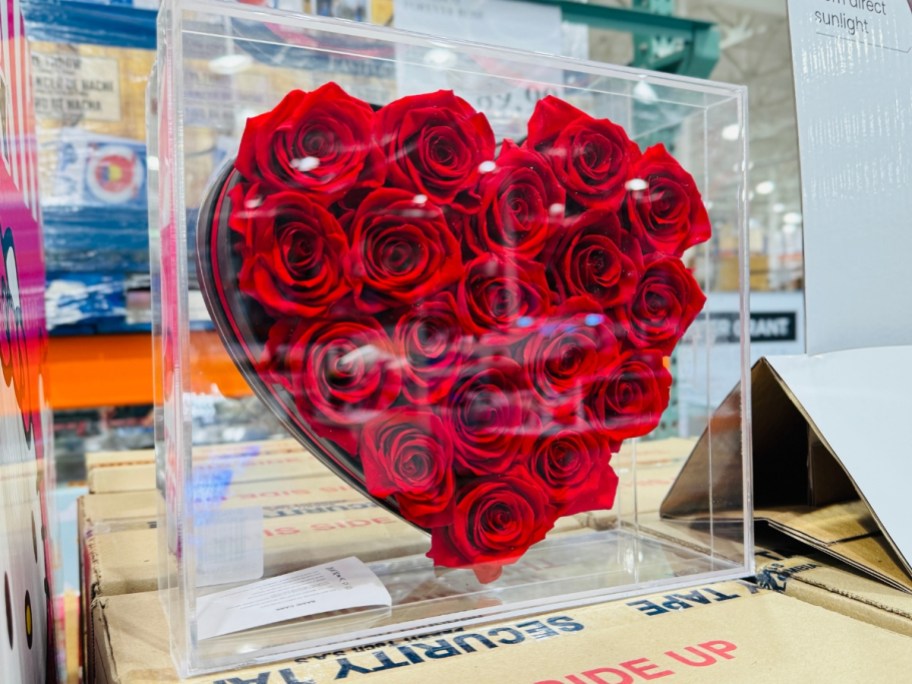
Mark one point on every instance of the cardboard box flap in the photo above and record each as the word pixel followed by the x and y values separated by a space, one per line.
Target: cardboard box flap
pixel 716 458
pixel 817 424
pixel 856 402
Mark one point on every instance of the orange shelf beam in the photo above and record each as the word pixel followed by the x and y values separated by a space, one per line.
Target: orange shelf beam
pixel 116 370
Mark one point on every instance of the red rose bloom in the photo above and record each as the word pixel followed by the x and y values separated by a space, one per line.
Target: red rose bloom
pixel 596 257
pixel 291 249
pixel 402 251
pixel 488 411
pixel 666 302
pixel 565 355
pixel 630 400
pixel 495 520
pixel 407 454
pixel 591 157
pixel 667 215
pixel 501 295
pixel 317 142
pixel 341 373
pixel 432 345
pixel 572 466
pixel 434 145
pixel 520 201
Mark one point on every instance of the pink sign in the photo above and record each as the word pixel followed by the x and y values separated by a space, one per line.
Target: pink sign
pixel 26 624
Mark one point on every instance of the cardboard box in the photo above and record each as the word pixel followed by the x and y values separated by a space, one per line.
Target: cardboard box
pixel 646 469
pixel 118 542
pixel 104 459
pixel 727 632
pixel 822 581
pixel 125 560
pixel 108 459
pixel 135 470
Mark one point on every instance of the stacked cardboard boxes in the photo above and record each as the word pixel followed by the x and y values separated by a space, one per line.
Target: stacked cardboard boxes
pixel 726 632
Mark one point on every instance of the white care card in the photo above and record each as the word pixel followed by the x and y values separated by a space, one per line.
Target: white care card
pixel 340 585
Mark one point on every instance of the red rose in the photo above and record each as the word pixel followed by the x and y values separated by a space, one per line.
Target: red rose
pixel 341 373
pixel 591 157
pixel 432 345
pixel 291 249
pixel 596 257
pixel 402 251
pixel 571 465
pixel 488 411
pixel 666 302
pixel 434 145
pixel 317 142
pixel 667 215
pixel 520 201
pixel 629 402
pixel 495 520
pixel 565 355
pixel 407 454
pixel 500 295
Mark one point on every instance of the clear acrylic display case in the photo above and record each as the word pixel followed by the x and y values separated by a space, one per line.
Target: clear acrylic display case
pixel 235 514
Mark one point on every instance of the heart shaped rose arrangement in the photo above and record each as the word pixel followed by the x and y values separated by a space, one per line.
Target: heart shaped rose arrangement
pixel 464 331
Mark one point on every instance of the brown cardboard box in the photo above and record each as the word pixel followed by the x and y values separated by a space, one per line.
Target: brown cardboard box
pixel 98 459
pixel 135 471
pixel 109 459
pixel 819 579
pixel 126 560
pixel 802 488
pixel 122 558
pixel 118 542
pixel 728 632
pixel 133 477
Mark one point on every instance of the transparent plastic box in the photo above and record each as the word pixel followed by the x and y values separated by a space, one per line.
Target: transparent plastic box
pixel 467 285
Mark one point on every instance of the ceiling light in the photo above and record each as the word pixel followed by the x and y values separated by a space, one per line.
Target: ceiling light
pixel 778 207
pixel 645 93
pixel 230 64
pixel 731 132
pixel 765 187
pixel 792 217
pixel 440 57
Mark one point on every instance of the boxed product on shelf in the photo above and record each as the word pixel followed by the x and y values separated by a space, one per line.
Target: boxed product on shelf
pixel 465 311
pixel 90 110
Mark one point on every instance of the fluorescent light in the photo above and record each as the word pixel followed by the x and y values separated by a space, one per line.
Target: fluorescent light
pixel 792 217
pixel 765 187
